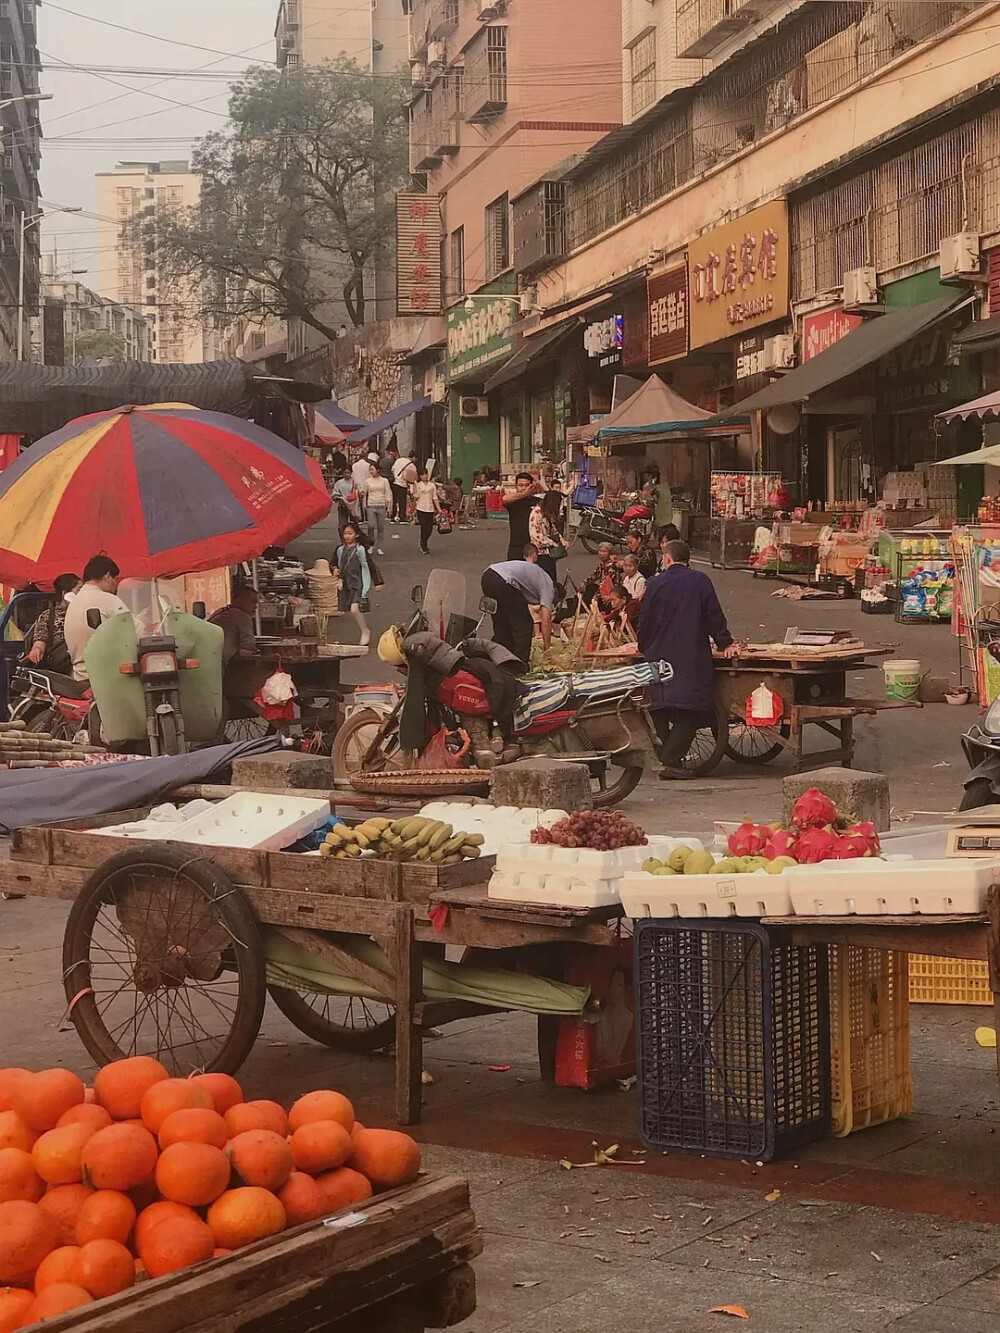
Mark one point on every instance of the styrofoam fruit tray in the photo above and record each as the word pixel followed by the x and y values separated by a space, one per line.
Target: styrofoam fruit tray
pixel 248 819
pixel 755 895
pixel 586 861
pixel 557 888
pixel 499 825
pixel 897 887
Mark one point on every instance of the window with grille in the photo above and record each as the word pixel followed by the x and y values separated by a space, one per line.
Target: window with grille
pixel 497 237
pixel 643 72
pixel 456 267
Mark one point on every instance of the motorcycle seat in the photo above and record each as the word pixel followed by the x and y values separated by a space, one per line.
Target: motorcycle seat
pixel 65 686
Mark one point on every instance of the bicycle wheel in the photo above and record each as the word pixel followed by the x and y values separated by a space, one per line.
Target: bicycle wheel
pixel 342 1022
pixel 708 746
pixel 750 745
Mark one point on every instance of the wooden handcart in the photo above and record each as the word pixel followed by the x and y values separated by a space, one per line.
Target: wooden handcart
pixel 164 949
pixel 399 1263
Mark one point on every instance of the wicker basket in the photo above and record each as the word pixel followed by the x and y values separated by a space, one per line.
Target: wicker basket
pixel 425 782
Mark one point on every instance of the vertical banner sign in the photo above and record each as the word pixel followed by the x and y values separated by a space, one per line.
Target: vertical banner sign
pixel 418 253
pixel 667 302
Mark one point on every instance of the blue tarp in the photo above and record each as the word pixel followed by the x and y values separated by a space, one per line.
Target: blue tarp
pixel 388 419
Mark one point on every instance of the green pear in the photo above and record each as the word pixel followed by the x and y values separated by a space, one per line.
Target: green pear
pixel 677 858
pixel 651 865
pixel 699 863
pixel 780 864
pixel 727 866
pixel 664 870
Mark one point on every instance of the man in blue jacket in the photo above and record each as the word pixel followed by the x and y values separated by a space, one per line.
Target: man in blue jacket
pixel 680 620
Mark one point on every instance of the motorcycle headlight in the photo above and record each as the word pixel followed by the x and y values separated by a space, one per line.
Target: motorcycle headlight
pixel 159 664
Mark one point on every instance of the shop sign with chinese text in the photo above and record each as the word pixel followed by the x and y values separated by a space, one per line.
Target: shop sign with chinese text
pixel 824 328
pixel 603 340
pixel 478 339
pixel 667 301
pixel 749 373
pixel 739 275
pixel 418 253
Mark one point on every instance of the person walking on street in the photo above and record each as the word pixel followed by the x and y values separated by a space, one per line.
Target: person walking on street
pixel 378 502
pixel 516 586
pixel 519 507
pixel 545 530
pixel 680 620
pixel 404 474
pixel 355 579
pixel 428 506
pixel 360 472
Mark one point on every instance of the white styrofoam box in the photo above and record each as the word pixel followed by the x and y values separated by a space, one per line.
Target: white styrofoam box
pixel 759 894
pixel 149 830
pixel 661 847
pixel 252 819
pixel 559 887
pixel 897 887
pixel 927 844
pixel 499 825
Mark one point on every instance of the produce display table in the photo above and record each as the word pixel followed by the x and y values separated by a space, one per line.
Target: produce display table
pixel 403 1268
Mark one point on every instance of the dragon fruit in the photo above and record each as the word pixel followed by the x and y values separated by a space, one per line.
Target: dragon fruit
pixel 813 810
pixel 857 841
pixel 815 844
pixel 749 839
pixel 781 843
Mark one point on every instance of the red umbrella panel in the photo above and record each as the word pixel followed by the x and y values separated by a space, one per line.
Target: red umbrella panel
pixel 164 490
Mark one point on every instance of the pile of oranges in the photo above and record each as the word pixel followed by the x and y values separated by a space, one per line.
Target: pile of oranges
pixel 145 1174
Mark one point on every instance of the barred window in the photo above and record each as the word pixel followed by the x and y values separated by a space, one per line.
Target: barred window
pixel 643 55
pixel 497 237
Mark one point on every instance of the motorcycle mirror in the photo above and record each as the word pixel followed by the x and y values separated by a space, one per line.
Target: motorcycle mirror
pixel 94 618
pixel 198 610
pixel 488 604
pixel 417 594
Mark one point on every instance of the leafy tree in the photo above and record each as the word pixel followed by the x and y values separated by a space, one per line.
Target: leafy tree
pixel 297 195
pixel 97 345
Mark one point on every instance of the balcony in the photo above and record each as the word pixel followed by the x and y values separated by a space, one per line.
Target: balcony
pixel 423 128
pixel 443 19
pixel 420 29
pixel 486 75
pixel 540 226
pixel 445 136
pixel 703 25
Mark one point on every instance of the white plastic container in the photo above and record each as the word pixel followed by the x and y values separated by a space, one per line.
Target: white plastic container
pixel 897 887
pixel 500 826
pixel 559 887
pixel 253 820
pixel 571 876
pixel 756 895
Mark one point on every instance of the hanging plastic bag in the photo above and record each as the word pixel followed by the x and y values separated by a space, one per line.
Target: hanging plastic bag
pixel 276 697
pixel 764 707
pixel 445 749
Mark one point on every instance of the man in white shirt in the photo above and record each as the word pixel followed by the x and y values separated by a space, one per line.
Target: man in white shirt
pixel 404 473
pixel 99 592
pixel 360 472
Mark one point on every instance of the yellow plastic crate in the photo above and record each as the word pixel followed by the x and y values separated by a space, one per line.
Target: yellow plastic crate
pixel 948 980
pixel 870 1080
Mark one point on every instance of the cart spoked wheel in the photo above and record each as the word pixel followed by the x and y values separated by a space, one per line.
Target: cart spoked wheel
pixel 162 957
pixel 708 746
pixel 750 745
pixel 342 1022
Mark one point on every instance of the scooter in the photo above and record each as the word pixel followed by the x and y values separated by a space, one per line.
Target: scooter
pixel 981 744
pixel 598 526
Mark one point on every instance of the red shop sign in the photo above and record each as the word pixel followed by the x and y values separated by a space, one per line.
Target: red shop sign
pixel 821 330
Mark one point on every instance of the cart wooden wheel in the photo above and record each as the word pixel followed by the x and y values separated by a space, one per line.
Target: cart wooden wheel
pixel 709 745
pixel 749 745
pixel 342 1022
pixel 162 957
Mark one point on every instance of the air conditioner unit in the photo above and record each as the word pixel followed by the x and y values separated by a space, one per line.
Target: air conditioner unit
pixel 960 256
pixel 860 287
pixel 779 352
pixel 489 9
pixel 439 390
pixel 436 53
pixel 473 407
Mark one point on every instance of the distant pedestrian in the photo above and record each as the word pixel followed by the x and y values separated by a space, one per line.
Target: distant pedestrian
pixel 428 506
pixel 404 474
pixel 355 578
pixel 378 502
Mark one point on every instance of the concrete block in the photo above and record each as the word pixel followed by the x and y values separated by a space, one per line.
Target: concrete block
pixel 543 784
pixel 863 795
pixel 285 768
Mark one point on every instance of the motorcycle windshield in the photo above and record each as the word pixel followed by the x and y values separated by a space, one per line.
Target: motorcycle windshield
pixel 444 597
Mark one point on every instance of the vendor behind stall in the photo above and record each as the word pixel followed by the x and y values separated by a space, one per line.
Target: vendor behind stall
pixel 516 586
pixel 236 622
pixel 645 556
pixel 100 593
pixel 680 620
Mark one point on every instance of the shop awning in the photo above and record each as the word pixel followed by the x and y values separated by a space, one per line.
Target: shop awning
pixel 396 414
pixel 861 347
pixel 987 406
pixel 334 415
pixel 990 456
pixel 982 335
pixel 531 353
pixel 656 409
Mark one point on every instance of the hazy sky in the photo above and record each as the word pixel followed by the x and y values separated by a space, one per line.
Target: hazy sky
pixel 111 109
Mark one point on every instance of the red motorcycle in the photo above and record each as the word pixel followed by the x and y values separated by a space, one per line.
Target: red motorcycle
pixel 599 526
pixel 51 703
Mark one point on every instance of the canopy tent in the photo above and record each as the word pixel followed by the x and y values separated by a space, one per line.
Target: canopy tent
pixel 990 456
pixel 987 406
pixel 338 417
pixel 656 409
pixel 396 414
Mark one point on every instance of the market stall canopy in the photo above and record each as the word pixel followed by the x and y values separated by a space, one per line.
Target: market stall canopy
pixel 987 406
pixel 164 489
pixel 875 338
pixel 533 352
pixel 391 418
pixel 990 456
pixel 655 409
pixel 335 415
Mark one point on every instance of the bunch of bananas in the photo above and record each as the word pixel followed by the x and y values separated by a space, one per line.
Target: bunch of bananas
pixel 410 839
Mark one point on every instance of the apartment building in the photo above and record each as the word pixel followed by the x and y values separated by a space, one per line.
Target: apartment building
pixel 308 32
pixel 72 309
pixel 652 66
pixel 20 159
pixel 128 201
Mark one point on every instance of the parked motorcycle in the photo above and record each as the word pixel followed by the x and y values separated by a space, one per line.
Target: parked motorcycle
pixel 606 525
pixel 981 744
pixel 52 703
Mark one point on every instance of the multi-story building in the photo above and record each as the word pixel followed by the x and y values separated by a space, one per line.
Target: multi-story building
pixel 20 158
pixel 128 200
pixel 503 91
pixel 308 32
pixel 803 230
pixel 71 309
pixel 652 66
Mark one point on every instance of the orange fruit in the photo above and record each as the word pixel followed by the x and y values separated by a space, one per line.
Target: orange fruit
pixel 56 1300
pixel 194 1125
pixel 256 1115
pixel 56 1267
pixel 119 1157
pixel 104 1268
pixel 241 1216
pixel 14 1133
pixel 320 1146
pixel 322 1105
pixel 192 1173
pixel 261 1158
pixel 155 1214
pixel 18 1177
pixel 120 1087
pixel 85 1114
pixel 57 1154
pixel 303 1199
pixel 27 1235
pixel 344 1188
pixel 177 1242
pixel 40 1099
pixel 63 1203
pixel 173 1094
pixel 387 1157
pixel 14 1305
pixel 9 1079
pixel 106 1215
pixel 225 1091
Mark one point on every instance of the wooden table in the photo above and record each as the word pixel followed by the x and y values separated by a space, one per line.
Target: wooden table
pixel 313 666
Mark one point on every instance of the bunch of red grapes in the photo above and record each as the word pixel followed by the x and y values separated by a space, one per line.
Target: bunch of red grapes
pixel 602 830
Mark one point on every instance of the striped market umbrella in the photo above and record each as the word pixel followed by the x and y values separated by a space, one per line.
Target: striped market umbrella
pixel 163 490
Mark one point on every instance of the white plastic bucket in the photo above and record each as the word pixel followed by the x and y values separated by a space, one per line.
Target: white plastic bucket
pixel 902 679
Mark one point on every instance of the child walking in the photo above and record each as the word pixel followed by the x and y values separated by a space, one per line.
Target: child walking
pixel 355 579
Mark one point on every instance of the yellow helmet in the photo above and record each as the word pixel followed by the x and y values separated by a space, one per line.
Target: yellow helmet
pixel 390 647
